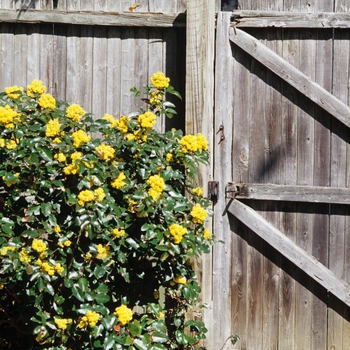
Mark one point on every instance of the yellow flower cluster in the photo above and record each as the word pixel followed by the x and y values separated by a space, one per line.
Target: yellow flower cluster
pixel 79 137
pixel 86 196
pixel 198 214
pixel 122 124
pixel 177 231
pixel 110 118
pixel 169 157
pixel 39 245
pixel 118 232
pixel 157 184
pixel 12 182
pixel 9 144
pixel 36 87
pixel 66 243
pixel 24 256
pixel 47 101
pixel 52 128
pixel 119 182
pixel 4 250
pixel 192 143
pixel 160 81
pixel 75 112
pixel 8 116
pixel 12 91
pixel 155 98
pixel 198 191
pixel 206 234
pixel 50 269
pixel 74 167
pixel 124 314
pixel 62 323
pixel 105 152
pixel 99 194
pixel 103 251
pixel 147 120
pixel 90 319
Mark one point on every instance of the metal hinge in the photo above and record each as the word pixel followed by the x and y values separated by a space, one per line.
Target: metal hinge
pixel 231 190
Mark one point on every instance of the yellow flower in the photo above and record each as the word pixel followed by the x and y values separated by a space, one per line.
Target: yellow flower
pixel 12 91
pixel 147 120
pixel 103 251
pixel 119 182
pixel 47 101
pixel 198 191
pixel 118 232
pixel 122 124
pixel 52 128
pixel 71 169
pixel 105 152
pixel 157 184
pixel 90 318
pixel 180 279
pixel 75 112
pixel 24 256
pixel 177 232
pixel 39 245
pixel 4 250
pixel 124 314
pixel 60 157
pixel 206 234
pixel 36 87
pixel 191 143
pixel 76 156
pixel 79 137
pixel 159 81
pixel 198 214
pixel 85 196
pixel 169 157
pixel 110 118
pixel 63 323
pixel 99 194
pixel 8 116
pixel 161 315
pixel 59 268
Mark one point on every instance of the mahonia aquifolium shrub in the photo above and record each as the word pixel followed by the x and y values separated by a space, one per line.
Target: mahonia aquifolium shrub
pixel 99 221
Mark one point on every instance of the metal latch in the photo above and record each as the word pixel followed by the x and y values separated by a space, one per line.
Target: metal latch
pixel 231 190
pixel 213 191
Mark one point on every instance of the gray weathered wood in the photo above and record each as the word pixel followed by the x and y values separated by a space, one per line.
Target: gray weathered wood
pixel 125 19
pixel 262 19
pixel 306 262
pixel 294 193
pixel 292 75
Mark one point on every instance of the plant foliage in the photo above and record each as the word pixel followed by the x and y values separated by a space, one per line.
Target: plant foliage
pixel 99 222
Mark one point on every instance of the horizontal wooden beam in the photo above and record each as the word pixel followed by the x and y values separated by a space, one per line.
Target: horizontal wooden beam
pixel 124 19
pixel 269 192
pixel 298 256
pixel 291 75
pixel 279 19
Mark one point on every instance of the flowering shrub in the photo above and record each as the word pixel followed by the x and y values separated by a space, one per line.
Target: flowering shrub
pixel 99 221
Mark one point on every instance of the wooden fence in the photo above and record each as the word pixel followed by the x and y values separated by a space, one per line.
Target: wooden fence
pixel 281 280
pixel 276 115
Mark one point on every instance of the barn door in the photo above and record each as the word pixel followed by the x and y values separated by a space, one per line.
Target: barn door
pixel 281 152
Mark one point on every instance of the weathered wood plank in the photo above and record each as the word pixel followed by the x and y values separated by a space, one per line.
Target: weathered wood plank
pixel 294 193
pixel 292 75
pixel 229 292
pixel 298 256
pixel 280 19
pixel 124 19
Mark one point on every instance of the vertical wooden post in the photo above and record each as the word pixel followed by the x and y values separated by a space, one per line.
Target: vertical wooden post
pixel 200 34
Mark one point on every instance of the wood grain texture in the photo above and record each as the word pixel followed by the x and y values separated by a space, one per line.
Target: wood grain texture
pixel 292 75
pixel 305 261
pixel 124 19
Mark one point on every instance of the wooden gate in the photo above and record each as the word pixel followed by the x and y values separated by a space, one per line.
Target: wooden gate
pixel 281 152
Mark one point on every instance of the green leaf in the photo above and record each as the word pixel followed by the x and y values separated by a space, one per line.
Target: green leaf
pixel 99 272
pixel 135 328
pixel 159 337
pixel 46 154
pixel 109 321
pixel 109 342
pixel 46 209
pixel 140 345
pixel 132 243
pixel 83 283
pixel 102 298
pixel 77 292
